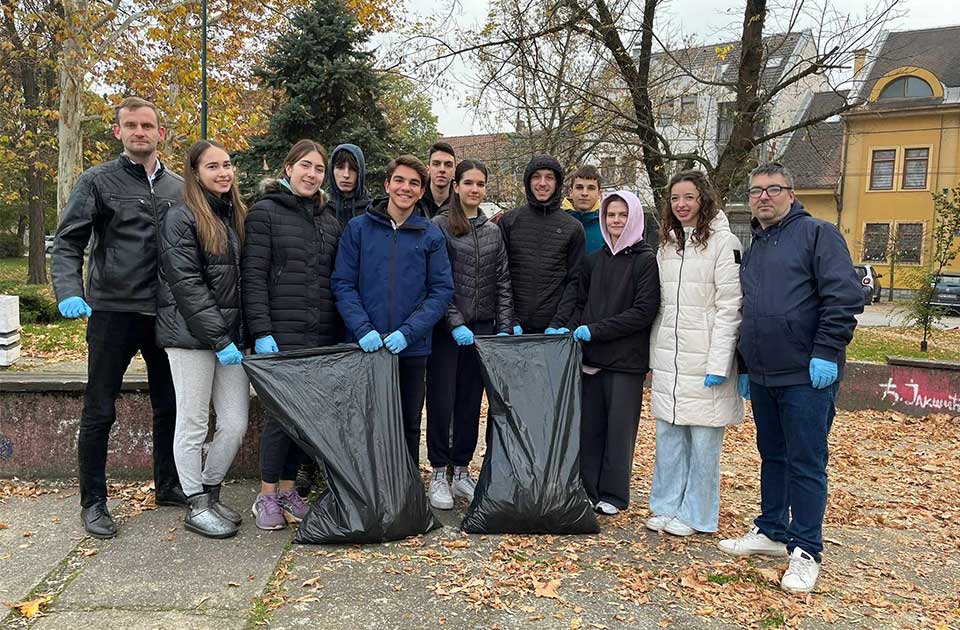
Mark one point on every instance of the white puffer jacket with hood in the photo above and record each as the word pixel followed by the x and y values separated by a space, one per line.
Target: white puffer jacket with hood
pixel 696 332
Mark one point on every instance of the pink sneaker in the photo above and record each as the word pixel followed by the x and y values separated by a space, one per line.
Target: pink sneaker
pixel 294 507
pixel 267 511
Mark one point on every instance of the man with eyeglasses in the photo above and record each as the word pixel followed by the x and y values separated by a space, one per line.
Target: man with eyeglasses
pixel 801 296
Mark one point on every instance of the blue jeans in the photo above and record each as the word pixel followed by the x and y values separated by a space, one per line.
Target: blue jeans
pixel 793 423
pixel 686 474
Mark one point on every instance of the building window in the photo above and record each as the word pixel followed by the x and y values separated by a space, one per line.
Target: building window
pixel 773 62
pixel 875 237
pixel 909 245
pixel 608 169
pixel 688 108
pixel 726 116
pixel 907 87
pixel 665 114
pixel 881 169
pixel 915 168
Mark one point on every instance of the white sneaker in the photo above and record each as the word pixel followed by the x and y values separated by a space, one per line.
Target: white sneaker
pixel 657 523
pixel 463 484
pixel 440 496
pixel 802 574
pixel 678 528
pixel 606 509
pixel 752 542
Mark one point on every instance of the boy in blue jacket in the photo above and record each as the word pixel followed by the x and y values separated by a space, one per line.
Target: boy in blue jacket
pixel 392 276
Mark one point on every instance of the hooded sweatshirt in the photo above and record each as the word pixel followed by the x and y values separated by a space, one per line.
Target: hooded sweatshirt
pixel 545 249
pixel 590 220
pixel 619 295
pixel 345 206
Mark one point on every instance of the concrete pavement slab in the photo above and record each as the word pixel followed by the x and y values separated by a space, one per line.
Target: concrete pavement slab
pixel 135 620
pixel 154 564
pixel 40 532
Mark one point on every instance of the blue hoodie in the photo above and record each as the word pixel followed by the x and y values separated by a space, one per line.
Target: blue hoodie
pixel 345 207
pixel 801 297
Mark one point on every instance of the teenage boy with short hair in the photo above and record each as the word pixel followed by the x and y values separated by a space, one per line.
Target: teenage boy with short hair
pixel 346 182
pixel 583 204
pixel 545 249
pixel 441 163
pixel 393 276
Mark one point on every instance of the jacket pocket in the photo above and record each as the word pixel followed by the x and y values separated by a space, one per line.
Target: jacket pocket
pixel 782 350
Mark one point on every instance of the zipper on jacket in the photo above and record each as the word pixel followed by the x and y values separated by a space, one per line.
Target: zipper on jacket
pixel 393 260
pixel 676 335
pixel 476 294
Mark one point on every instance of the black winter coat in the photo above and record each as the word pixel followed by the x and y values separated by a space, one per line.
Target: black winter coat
pixel 618 299
pixel 198 305
pixel 545 247
pixel 481 275
pixel 117 204
pixel 288 254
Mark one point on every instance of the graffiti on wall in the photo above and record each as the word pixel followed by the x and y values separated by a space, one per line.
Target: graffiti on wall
pixel 921 394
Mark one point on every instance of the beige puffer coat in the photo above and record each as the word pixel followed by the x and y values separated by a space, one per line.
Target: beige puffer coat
pixel 696 332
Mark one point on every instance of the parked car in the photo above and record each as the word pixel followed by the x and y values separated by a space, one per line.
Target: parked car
pixel 48 244
pixel 870 280
pixel 947 293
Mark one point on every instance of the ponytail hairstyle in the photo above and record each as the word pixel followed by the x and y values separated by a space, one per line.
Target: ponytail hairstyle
pixel 458 222
pixel 670 225
pixel 210 229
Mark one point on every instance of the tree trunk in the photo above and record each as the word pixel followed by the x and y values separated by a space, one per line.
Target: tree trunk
pixel 737 157
pixel 21 231
pixel 37 262
pixel 70 158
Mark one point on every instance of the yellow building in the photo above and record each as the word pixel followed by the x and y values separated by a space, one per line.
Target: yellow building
pixel 872 170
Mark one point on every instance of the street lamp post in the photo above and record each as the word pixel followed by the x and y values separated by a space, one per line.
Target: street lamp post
pixel 203 70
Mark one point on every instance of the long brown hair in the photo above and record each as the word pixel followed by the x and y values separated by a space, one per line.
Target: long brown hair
pixel 296 153
pixel 670 225
pixel 210 229
pixel 459 223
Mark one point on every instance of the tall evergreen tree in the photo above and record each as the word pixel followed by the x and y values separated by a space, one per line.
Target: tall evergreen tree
pixel 331 90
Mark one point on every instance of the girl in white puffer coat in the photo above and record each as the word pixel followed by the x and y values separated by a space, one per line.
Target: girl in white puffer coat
pixel 693 356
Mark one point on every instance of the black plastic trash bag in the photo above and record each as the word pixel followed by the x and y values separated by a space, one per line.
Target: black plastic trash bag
pixel 342 407
pixel 530 479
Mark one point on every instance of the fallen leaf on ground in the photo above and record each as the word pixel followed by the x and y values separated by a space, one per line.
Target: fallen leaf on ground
pixel 547 589
pixel 31 608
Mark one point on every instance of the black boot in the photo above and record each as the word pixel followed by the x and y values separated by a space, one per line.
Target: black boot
pixel 226 512
pixel 171 495
pixel 204 520
pixel 97 520
pixel 304 481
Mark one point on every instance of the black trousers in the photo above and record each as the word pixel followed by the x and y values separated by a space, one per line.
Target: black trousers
pixel 454 394
pixel 608 434
pixel 280 457
pixel 412 389
pixel 113 338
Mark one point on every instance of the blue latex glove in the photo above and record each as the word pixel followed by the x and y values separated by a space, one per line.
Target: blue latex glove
pixel 395 342
pixel 74 307
pixel 503 334
pixel 229 355
pixel 743 386
pixel 551 331
pixel 461 334
pixel 517 330
pixel 822 373
pixel 265 345
pixel 371 342
pixel 563 331
pixel 582 333
pixel 713 380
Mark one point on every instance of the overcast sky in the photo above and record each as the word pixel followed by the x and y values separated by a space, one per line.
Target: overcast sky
pixel 705 18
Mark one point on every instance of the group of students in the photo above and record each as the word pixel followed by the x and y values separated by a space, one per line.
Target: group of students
pixel 184 272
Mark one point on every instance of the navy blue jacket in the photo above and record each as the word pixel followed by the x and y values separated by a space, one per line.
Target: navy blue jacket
pixel 801 296
pixel 388 279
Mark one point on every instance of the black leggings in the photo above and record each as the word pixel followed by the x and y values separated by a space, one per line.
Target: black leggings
pixel 280 457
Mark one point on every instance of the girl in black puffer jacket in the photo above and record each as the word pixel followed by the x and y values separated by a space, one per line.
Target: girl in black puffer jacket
pixel 483 305
pixel 288 258
pixel 200 323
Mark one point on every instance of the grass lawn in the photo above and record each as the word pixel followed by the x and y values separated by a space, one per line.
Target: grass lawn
pixel 63 340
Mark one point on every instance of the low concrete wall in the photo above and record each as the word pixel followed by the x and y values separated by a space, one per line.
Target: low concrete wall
pixel 39 416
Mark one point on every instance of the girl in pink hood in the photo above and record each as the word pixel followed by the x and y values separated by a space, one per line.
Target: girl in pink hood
pixel 618 299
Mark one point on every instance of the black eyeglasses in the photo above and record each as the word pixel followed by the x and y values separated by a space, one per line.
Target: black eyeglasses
pixel 772 191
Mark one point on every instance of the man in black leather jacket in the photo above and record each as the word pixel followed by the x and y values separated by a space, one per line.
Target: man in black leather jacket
pixel 121 204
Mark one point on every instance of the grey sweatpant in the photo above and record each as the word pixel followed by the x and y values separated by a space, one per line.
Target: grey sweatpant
pixel 199 378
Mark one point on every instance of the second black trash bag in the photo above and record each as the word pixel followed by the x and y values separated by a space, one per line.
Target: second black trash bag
pixel 342 407
pixel 530 479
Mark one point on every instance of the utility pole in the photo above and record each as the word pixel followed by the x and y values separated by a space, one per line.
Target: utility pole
pixel 203 71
